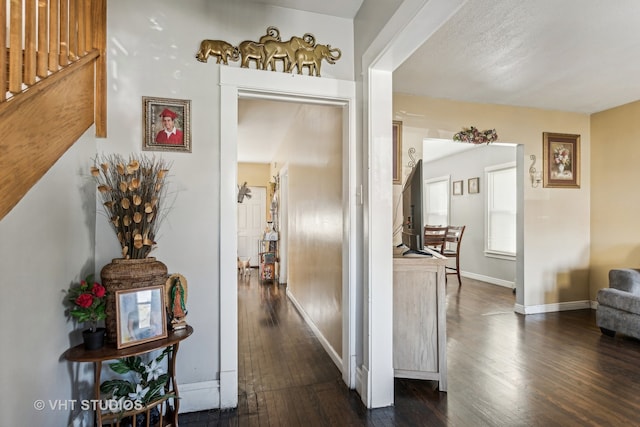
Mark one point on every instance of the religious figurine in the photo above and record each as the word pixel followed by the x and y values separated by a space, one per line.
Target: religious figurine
pixel 176 297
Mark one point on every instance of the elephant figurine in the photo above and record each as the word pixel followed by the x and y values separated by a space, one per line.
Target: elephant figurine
pixel 312 57
pixel 254 51
pixel 222 50
pixel 285 51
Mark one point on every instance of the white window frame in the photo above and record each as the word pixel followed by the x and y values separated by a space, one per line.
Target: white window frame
pixel 447 180
pixel 492 252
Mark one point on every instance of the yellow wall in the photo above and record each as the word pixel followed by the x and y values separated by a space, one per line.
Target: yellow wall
pixel 615 229
pixel 255 174
pixel 556 221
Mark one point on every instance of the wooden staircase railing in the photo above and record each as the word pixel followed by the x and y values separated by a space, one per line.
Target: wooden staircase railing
pixel 54 73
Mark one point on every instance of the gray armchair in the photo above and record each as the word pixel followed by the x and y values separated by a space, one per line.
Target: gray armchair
pixel 619 304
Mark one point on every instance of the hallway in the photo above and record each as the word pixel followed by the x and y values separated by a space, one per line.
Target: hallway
pixel 553 369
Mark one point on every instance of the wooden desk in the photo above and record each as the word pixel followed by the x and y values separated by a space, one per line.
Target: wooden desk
pixel 420 317
pixel 110 352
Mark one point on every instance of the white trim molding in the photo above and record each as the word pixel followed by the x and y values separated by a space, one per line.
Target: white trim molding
pixel 552 308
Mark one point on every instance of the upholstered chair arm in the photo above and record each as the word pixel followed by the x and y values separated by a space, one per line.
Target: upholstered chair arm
pixel 625 279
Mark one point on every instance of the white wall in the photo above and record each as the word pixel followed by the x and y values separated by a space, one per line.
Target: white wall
pixel 150 53
pixel 469 209
pixel 46 245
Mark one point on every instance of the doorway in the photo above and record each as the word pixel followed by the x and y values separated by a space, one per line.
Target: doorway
pixel 238 83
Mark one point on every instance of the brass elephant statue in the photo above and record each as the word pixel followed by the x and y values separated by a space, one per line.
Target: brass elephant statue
pixel 222 50
pixel 285 51
pixel 254 51
pixel 312 57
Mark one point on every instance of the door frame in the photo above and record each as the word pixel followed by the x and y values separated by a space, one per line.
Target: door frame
pixel 256 84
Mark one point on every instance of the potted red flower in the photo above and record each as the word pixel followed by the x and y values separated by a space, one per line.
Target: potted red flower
pixel 88 305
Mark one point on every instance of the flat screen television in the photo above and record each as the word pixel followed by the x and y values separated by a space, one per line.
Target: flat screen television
pixel 412 222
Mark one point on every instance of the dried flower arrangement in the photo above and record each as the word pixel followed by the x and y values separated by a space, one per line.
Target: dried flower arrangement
pixel 475 136
pixel 132 191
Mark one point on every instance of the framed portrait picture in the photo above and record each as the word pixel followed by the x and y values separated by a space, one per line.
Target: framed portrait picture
pixel 561 166
pixel 397 152
pixel 474 185
pixel 167 124
pixel 141 315
pixel 457 188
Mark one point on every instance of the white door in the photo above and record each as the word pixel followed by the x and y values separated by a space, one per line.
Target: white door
pixel 252 220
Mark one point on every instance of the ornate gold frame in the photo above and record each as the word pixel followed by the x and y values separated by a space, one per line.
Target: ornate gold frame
pixel 152 107
pixel 567 175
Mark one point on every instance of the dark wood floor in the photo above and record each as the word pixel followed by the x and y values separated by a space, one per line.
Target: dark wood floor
pixel 505 369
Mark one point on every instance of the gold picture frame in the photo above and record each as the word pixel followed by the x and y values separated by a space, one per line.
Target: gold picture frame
pixel 561 165
pixel 177 114
pixel 140 315
pixel 397 152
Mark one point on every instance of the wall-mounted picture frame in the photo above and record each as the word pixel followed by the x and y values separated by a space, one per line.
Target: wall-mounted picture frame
pixel 561 165
pixel 167 124
pixel 473 185
pixel 458 188
pixel 397 152
pixel 141 315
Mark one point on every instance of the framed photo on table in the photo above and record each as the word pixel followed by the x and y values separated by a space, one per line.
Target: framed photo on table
pixel 561 165
pixel 141 315
pixel 167 124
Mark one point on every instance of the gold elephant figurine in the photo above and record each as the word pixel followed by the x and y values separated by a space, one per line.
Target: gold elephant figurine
pixel 222 50
pixel 312 57
pixel 254 51
pixel 285 51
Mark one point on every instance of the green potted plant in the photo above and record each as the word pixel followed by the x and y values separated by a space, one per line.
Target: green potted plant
pixel 88 301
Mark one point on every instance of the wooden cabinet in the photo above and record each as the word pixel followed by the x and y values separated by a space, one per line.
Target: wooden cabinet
pixel 420 317
pixel 168 413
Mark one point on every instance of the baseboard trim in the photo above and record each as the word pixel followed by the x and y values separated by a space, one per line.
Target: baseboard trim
pixel 325 344
pixel 492 280
pixel 200 396
pixel 551 308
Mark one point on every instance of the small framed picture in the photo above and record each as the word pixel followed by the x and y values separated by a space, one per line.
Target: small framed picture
pixel 474 185
pixel 457 188
pixel 561 165
pixel 167 124
pixel 141 315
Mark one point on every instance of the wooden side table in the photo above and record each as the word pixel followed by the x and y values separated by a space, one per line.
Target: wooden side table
pixel 110 352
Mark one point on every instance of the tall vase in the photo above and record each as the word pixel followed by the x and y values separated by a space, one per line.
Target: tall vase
pixel 126 274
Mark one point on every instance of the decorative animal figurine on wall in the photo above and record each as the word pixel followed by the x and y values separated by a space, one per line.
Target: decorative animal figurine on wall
pixel 285 51
pixel 297 51
pixel 222 50
pixel 312 57
pixel 254 51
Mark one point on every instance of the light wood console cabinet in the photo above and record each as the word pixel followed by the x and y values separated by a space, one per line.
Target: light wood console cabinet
pixel 419 317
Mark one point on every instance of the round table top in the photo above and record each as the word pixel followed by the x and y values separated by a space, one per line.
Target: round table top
pixel 109 351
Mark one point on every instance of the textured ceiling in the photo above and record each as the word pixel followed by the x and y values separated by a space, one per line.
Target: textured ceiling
pixel 569 55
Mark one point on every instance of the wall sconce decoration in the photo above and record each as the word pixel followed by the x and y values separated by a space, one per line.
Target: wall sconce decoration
pixel 536 177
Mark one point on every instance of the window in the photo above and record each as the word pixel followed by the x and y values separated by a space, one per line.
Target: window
pixel 436 201
pixel 501 210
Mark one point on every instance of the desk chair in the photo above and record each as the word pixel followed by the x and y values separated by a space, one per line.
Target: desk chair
pixel 452 248
pixel 434 237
